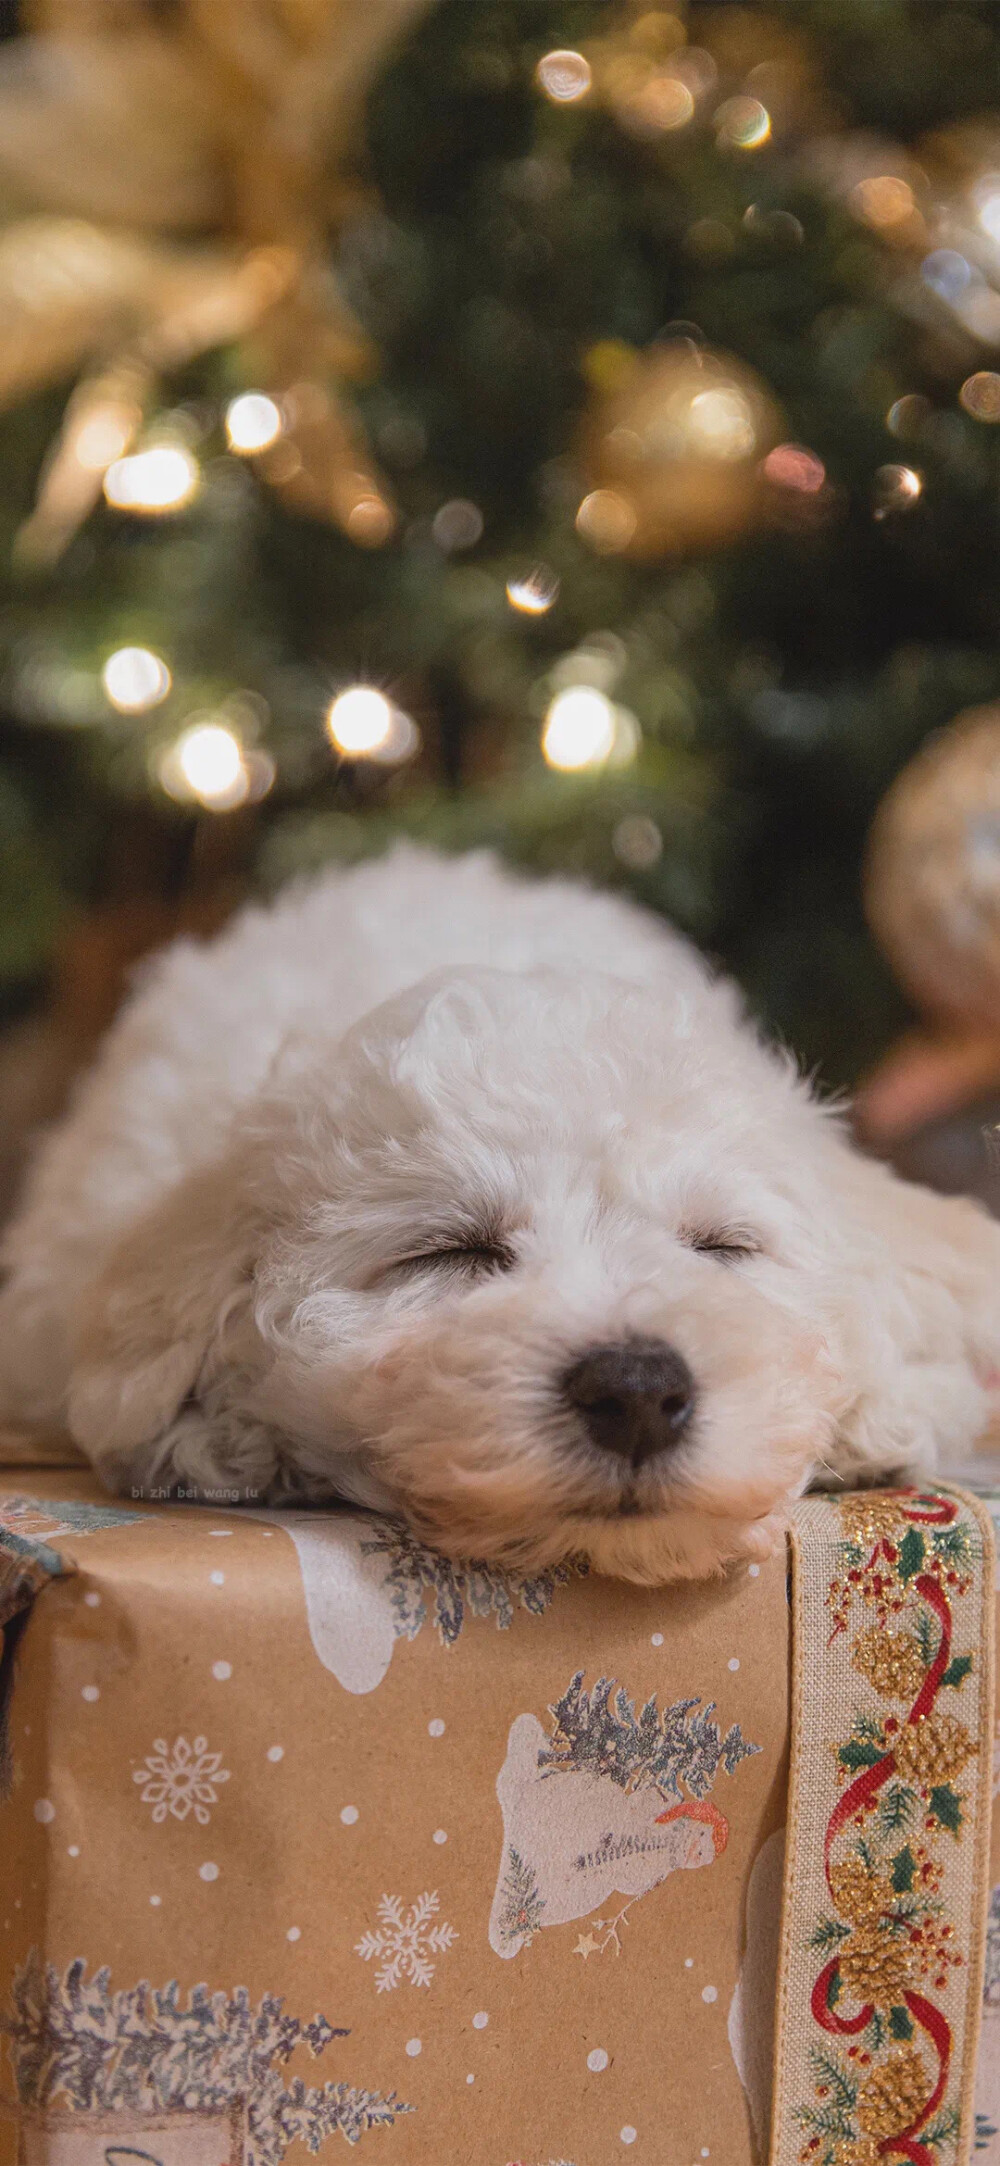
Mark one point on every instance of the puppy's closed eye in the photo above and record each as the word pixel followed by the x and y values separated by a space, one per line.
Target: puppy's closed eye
pixel 475 1259
pixel 728 1244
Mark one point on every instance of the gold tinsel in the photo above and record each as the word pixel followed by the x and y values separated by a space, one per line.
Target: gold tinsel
pixel 933 1749
pixel 894 2095
pixel 875 1966
pixel 891 1661
pixel 860 1895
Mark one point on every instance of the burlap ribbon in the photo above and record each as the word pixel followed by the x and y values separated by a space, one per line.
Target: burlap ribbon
pixel 886 1876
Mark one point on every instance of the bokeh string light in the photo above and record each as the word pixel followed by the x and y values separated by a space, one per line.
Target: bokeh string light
pixel 158 479
pixel 363 724
pixel 896 489
pixel 253 422
pixel 205 765
pixel 742 124
pixel 792 466
pixel 533 593
pixel 579 729
pixel 986 199
pixel 457 525
pixel 907 415
pixel 720 423
pixel 980 395
pixel 883 201
pixel 359 720
pixel 564 76
pixel 135 679
pixel 607 521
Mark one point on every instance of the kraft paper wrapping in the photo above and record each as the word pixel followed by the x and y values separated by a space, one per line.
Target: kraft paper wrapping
pixel 311 1839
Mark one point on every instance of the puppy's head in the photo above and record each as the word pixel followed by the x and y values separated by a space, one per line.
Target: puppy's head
pixel 538 1263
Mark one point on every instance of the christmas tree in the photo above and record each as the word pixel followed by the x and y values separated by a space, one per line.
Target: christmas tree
pixel 575 434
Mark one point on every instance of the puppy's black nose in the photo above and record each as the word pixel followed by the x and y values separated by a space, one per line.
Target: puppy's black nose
pixel 634 1399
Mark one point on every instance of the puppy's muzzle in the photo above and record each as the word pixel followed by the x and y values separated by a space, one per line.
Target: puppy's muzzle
pixel 634 1400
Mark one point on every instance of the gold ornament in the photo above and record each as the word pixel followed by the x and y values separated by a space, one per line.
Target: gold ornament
pixel 674 448
pixel 895 2094
pixel 933 1749
pixel 932 884
pixel 875 1966
pixel 891 1661
pixel 179 176
pixel 859 1894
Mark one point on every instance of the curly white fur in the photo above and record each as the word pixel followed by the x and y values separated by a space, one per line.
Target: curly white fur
pixel 211 1278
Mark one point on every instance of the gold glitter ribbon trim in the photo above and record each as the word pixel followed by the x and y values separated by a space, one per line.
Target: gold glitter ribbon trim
pixel 886 1872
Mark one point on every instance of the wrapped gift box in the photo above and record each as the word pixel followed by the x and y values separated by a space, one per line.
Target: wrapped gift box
pixel 312 1837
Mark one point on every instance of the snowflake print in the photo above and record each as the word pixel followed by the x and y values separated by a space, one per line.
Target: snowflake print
pixel 405 1942
pixel 181 1780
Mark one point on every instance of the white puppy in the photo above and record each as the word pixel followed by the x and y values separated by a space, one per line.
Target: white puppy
pixel 473 1199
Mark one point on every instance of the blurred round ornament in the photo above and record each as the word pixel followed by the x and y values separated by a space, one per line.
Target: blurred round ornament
pixel 932 882
pixel 676 446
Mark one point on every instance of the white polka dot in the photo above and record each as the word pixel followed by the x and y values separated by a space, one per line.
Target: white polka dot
pixel 753 1571
pixel 480 2021
pixel 91 1692
pixel 628 2133
pixel 208 1872
pixel 734 1662
pixel 267 1536
pixel 294 1933
pixel 710 1993
pixel 435 1728
pixel 597 2060
pixel 156 1900
pixel 470 2079
pixel 656 1640
pixel 276 1752
pixel 413 2047
pixel 349 1815
pixel 705 2152
pixel 440 1835
pixel 218 1579
pixel 222 1670
pixel 93 1601
pixel 73 1851
pixel 44 1810
pixel 689 1962
pixel 220 1534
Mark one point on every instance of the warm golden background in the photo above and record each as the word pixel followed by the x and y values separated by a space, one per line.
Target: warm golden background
pixel 565 424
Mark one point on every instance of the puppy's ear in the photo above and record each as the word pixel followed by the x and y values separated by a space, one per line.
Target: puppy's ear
pixel 173 1292
pixel 917 1315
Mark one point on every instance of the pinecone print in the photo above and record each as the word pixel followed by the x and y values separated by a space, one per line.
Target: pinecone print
pixel 858 1893
pixel 867 1518
pixel 891 1661
pixel 858 2151
pixel 875 1966
pixel 894 2094
pixel 933 1749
